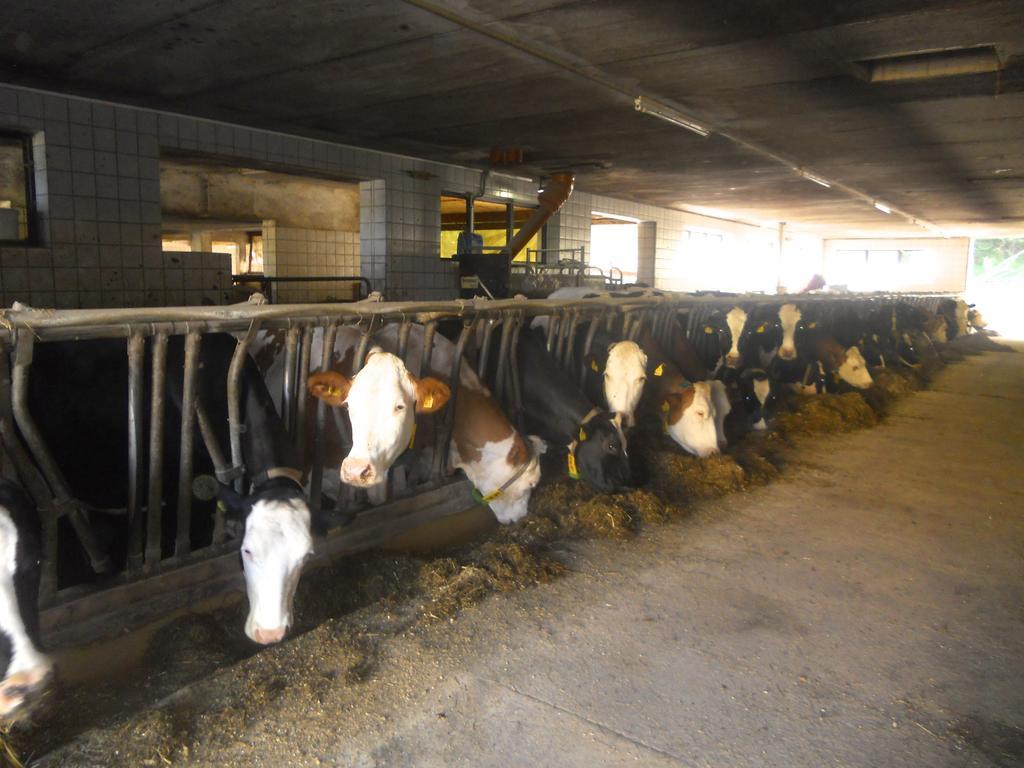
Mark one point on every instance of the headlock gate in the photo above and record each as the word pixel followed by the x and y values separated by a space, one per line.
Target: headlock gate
pixel 164 564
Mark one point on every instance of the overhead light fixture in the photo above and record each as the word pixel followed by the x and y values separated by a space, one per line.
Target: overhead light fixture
pixel 882 207
pixel 651 107
pixel 816 179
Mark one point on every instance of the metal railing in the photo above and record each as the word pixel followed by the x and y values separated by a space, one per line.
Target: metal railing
pixel 28 454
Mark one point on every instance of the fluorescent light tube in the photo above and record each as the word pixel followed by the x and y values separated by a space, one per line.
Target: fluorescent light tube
pixel 650 107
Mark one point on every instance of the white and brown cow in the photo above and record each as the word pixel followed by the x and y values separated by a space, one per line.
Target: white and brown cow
pixel 693 412
pixel 503 466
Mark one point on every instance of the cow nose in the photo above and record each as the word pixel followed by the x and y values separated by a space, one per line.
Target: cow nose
pixel 269 636
pixel 787 354
pixel 357 471
pixel 732 361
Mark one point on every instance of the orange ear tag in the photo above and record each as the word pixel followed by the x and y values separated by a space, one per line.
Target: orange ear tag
pixel 660 369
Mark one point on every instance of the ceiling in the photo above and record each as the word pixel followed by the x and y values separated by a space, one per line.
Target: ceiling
pixel 776 80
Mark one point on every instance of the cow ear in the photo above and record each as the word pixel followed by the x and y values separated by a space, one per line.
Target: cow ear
pixel 233 504
pixel 431 394
pixel 330 386
pixel 593 362
pixel 672 406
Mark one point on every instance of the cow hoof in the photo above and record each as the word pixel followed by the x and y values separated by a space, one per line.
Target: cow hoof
pixel 18 688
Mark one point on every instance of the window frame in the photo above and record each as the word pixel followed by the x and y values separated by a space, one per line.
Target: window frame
pixel 31 238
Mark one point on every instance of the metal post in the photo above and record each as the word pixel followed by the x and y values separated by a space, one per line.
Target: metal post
pixel 288 394
pixel 301 396
pixel 238 360
pixel 428 349
pixel 485 349
pixel 502 372
pixel 183 536
pixel 443 443
pixel 588 342
pixel 136 360
pixel 154 514
pixel 316 478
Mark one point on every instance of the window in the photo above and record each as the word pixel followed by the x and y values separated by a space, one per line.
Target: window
pixel 879 269
pixel 15 189
pixel 614 245
pixel 177 244
pixel 494 221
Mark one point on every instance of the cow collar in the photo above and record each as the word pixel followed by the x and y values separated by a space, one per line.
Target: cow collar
pixel 288 473
pixel 487 498
pixel 571 461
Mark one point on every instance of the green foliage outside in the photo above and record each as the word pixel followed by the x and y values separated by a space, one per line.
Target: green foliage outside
pixel 999 259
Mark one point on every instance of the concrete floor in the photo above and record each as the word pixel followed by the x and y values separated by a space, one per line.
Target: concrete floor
pixel 866 610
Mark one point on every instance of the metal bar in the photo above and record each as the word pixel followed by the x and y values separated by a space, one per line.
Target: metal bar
pixel 443 443
pixel 403 338
pixel 517 391
pixel 588 342
pixel 428 349
pixel 154 514
pixel 316 478
pixel 183 536
pixel 553 320
pixel 502 372
pixel 288 394
pixel 301 396
pixel 238 359
pixel 62 500
pixel 136 364
pixel 485 349
pixel 364 346
pixel 220 464
pixel 566 357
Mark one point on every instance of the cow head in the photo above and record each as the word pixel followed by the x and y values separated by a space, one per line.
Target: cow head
pixel 853 370
pixel 382 399
pixel 625 372
pixel 759 398
pixel 728 331
pixel 600 453
pixel 790 318
pixel 975 319
pixel 692 419
pixel 505 473
pixel 275 547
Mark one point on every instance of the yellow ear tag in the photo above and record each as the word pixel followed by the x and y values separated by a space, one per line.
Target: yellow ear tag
pixel 593 366
pixel 583 435
pixel 761 328
pixel 664 407
pixel 428 401
pixel 412 439
pixel 708 329
pixel 660 369
pixel 333 391
pixel 812 324
pixel 573 473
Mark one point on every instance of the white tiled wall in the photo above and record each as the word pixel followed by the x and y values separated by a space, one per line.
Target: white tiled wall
pixel 295 252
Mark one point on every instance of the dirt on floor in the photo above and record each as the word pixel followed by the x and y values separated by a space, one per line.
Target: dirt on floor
pixel 201 684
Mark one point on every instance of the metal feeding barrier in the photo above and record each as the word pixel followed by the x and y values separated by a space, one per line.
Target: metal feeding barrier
pixel 156 575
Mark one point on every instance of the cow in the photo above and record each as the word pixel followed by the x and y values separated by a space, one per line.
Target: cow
pixel 975 319
pixel 955 312
pixel 502 465
pixel 693 412
pixel 620 364
pixel 27 669
pixel 757 397
pixel 721 339
pixel 823 365
pixel 88 435
pixel 556 409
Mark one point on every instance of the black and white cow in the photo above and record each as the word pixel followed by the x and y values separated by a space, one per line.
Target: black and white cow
pixel 26 668
pixel 556 410
pixel 757 397
pixel 722 339
pixel 88 434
